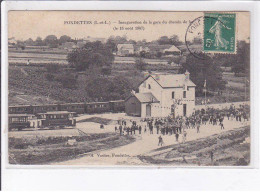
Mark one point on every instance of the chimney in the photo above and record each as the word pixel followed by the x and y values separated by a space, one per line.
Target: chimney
pixel 187 75
pixel 133 92
pixel 157 77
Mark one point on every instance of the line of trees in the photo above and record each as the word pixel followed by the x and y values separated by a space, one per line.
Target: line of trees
pixel 50 40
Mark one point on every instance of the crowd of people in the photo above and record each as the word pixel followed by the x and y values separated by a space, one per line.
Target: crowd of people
pixel 179 125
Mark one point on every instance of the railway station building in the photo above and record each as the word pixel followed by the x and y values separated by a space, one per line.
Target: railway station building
pixel 162 95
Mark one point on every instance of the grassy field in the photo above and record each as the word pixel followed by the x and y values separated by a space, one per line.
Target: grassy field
pixel 230 148
pixel 37 56
pixel 33 149
pixel 60 56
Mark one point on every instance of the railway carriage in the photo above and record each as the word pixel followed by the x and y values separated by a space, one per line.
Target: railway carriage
pixel 19 121
pixel 117 106
pixel 97 107
pixel 38 109
pixel 78 108
pixel 57 119
pixel 44 108
pixel 20 109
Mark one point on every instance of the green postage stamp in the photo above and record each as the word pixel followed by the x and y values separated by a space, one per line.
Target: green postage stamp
pixel 220 32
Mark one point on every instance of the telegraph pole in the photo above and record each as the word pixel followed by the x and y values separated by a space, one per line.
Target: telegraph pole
pixel 245 88
pixel 205 90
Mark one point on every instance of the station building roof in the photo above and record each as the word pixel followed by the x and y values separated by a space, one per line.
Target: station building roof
pixel 172 80
pixel 166 80
pixel 146 97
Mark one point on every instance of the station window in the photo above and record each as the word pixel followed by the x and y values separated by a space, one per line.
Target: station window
pixel 184 94
pixel 149 86
pixel 172 95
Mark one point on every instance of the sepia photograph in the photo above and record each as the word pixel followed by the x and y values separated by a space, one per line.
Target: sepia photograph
pixel 129 88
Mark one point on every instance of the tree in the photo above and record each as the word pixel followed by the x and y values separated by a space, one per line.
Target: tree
pixel 164 40
pixel 143 54
pixel 175 60
pixel 175 40
pixel 238 69
pixel 140 64
pixel 93 55
pixel 239 62
pixel 20 44
pixel 29 42
pixel 108 89
pixel 197 40
pixel 120 40
pixel 159 54
pixel 64 39
pixel 38 41
pixel 51 41
pixel 111 43
pixel 132 41
pixel 201 70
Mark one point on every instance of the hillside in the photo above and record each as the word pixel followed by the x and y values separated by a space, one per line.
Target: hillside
pixel 30 85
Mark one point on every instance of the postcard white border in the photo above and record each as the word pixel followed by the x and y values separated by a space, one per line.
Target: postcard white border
pixel 131 178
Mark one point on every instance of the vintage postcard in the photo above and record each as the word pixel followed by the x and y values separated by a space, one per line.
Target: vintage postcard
pixel 129 88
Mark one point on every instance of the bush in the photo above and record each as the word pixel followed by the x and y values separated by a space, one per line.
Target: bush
pixel 49 77
pixel 67 80
pixel 140 64
pixel 52 68
pixel 20 146
pixel 106 71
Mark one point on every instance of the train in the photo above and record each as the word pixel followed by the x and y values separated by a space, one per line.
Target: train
pixel 41 120
pixel 78 108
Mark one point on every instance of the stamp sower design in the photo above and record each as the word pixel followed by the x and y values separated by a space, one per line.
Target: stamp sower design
pixel 219 32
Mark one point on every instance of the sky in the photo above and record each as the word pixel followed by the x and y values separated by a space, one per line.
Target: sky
pixel 31 24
